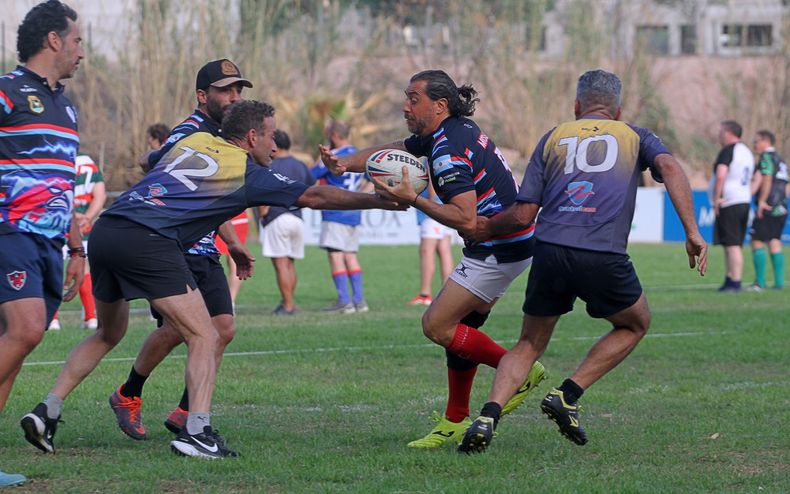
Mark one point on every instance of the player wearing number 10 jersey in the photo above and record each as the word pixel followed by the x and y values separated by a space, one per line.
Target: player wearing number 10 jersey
pixel 584 175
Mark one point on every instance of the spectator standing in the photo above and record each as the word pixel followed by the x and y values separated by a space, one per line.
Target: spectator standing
pixel 282 229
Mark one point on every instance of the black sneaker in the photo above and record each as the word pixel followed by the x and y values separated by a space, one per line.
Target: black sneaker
pixel 478 436
pixel 208 444
pixel 40 429
pixel 566 416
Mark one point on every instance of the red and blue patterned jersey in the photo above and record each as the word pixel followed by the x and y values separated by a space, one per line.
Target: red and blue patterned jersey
pixel 462 158
pixel 584 173
pixel 197 122
pixel 38 145
pixel 199 184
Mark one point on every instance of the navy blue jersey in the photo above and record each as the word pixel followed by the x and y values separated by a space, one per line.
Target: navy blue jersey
pixel 38 146
pixel 584 173
pixel 201 183
pixel 349 181
pixel 197 122
pixel 294 169
pixel 462 158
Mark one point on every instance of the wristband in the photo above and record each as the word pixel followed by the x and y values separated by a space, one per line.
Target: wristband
pixel 414 202
pixel 77 251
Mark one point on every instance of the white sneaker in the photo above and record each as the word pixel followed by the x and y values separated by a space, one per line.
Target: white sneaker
pixel 54 325
pixel 91 323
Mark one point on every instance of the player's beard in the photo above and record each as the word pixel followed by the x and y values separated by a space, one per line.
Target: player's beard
pixel 415 125
pixel 215 111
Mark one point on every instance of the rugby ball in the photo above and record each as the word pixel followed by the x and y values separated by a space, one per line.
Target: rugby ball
pixel 386 165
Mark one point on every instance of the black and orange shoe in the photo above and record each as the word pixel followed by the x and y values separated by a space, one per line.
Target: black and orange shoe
pixel 177 420
pixel 127 411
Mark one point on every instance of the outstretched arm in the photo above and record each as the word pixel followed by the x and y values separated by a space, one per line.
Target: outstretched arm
pixel 353 162
pixel 515 218
pixel 329 197
pixel 679 190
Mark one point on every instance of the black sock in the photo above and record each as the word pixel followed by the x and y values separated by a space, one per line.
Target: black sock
pixel 571 391
pixel 184 404
pixel 492 410
pixel 134 384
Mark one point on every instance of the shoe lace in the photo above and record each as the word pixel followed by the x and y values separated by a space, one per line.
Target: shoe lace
pixel 133 406
pixel 436 417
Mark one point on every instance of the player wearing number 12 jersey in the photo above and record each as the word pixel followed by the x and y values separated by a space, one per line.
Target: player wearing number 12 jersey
pixel 138 246
pixel 584 175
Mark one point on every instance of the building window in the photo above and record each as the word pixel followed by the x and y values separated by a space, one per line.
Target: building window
pixel 759 35
pixel 751 36
pixel 688 39
pixel 653 39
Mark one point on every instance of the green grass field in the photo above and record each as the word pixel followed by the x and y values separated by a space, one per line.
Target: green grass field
pixel 320 403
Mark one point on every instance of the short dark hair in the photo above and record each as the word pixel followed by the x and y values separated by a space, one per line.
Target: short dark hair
pixel 599 88
pixel 244 115
pixel 767 135
pixel 732 127
pixel 158 131
pixel 42 19
pixel 460 100
pixel 338 127
pixel 281 140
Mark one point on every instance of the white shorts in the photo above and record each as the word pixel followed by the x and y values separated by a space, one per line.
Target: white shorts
pixel 338 236
pixel 487 279
pixel 284 237
pixel 430 228
pixel 66 249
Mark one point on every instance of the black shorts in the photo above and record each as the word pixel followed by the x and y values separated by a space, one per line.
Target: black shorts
pixel 606 281
pixel 210 278
pixel 768 228
pixel 131 261
pixel 730 226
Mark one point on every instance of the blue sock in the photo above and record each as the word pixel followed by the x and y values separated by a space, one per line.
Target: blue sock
pixel 341 285
pixel 356 286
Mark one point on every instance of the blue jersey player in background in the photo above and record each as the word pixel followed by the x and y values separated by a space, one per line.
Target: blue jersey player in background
pixel 584 174
pixel 340 229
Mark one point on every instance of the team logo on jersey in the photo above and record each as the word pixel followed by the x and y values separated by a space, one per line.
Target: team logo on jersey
pixel 579 192
pixel 72 114
pixel 17 279
pixel 35 104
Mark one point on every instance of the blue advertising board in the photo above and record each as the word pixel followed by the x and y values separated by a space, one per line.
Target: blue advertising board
pixel 703 212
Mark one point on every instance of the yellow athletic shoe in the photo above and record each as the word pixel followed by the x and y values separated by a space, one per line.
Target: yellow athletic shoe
pixel 445 431
pixel 535 376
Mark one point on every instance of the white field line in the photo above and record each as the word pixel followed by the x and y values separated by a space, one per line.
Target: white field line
pixel 296 351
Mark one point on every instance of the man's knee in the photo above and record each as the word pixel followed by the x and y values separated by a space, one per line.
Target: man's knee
pixel 226 329
pixel 27 338
pixel 435 331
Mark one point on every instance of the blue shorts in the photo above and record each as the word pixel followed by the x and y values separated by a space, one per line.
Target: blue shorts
pixel 31 266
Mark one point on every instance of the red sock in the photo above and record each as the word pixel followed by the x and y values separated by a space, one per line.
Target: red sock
pixel 86 295
pixel 460 384
pixel 476 346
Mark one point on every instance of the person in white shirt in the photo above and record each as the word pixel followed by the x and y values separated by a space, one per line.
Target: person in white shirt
pixel 731 194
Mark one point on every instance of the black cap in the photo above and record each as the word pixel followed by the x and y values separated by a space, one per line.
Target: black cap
pixel 219 73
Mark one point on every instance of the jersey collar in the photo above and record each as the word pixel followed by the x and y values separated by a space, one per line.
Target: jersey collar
pixel 41 80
